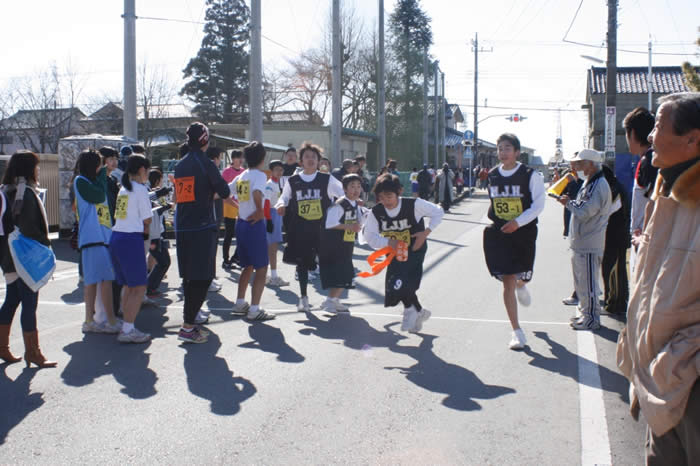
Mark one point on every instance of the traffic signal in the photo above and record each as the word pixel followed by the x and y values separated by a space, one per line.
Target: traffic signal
pixel 516 118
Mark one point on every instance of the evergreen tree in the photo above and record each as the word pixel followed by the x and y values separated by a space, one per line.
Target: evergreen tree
pixel 219 73
pixel 692 77
pixel 410 34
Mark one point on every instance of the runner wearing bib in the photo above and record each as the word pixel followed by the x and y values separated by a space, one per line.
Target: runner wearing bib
pixel 517 198
pixel 305 198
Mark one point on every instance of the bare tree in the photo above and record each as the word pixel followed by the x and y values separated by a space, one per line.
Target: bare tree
pixel 7 108
pixel 307 82
pixel 155 93
pixel 46 109
pixel 276 93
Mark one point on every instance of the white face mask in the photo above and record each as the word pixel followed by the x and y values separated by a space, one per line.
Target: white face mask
pixel 581 174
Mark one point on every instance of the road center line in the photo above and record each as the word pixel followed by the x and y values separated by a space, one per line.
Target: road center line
pixel 595 443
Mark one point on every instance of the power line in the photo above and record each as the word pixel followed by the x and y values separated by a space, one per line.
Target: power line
pixel 572 21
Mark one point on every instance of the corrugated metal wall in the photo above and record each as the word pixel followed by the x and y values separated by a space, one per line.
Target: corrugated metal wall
pixel 48 179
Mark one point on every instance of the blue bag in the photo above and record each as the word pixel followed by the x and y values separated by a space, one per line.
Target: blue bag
pixel 34 262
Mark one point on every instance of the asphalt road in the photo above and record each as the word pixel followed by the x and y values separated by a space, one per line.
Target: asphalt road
pixel 311 389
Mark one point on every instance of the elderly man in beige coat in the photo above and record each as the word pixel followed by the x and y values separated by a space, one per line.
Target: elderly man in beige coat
pixel 659 349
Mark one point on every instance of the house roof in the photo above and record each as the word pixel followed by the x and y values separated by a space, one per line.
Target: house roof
pixel 633 80
pixel 115 110
pixel 454 110
pixel 29 119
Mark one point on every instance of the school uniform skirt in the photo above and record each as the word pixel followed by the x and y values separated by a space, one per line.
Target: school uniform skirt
pixel 510 254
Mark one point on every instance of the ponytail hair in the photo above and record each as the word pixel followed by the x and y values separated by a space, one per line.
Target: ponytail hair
pixel 134 164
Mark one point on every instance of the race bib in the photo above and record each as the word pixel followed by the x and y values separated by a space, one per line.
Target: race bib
pixel 122 207
pixel 243 190
pixel 404 235
pixel 103 215
pixel 507 208
pixel 184 189
pixel 349 236
pixel 310 209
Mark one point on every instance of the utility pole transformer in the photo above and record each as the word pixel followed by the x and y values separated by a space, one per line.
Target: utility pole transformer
pixel 381 115
pixel 255 72
pixel 130 121
pixel 611 83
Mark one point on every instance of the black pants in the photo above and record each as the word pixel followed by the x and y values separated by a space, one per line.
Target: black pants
pixel 162 257
pixel 230 233
pixel 18 292
pixel 195 293
pixel 615 280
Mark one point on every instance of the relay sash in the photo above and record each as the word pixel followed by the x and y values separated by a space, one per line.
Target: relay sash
pixel 401 253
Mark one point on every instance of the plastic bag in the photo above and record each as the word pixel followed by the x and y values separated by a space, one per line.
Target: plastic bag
pixel 34 262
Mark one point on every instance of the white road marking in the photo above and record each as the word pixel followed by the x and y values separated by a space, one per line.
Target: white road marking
pixel 595 443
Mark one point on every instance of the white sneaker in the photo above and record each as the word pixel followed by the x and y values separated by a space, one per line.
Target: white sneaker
pixel 215 286
pixel 303 305
pixel 523 295
pixel 517 340
pixel 276 281
pixel 570 301
pixel 112 329
pixel 340 307
pixel 240 309
pixel 135 336
pixel 423 315
pixel 410 315
pixel 148 301
pixel 328 306
pixel 201 318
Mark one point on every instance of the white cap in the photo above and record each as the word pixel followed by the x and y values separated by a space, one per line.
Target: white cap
pixel 588 154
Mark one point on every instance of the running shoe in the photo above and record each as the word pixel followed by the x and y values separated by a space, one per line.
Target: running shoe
pixel 340 307
pixel 329 306
pixel 577 316
pixel 260 315
pixel 192 336
pixel 201 318
pixel 410 315
pixel 240 309
pixel 276 281
pixel 203 330
pixel 135 336
pixel 91 327
pixel 215 286
pixel 423 315
pixel 147 301
pixel 303 305
pixel 112 329
pixel 587 322
pixel 570 301
pixel 523 295
pixel 517 340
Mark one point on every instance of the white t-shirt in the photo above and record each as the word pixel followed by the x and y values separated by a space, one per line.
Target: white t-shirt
pixel 336 211
pixel 243 187
pixel 273 191
pixel 133 207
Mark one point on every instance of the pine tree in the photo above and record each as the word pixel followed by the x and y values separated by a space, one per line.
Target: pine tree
pixel 219 73
pixel 410 34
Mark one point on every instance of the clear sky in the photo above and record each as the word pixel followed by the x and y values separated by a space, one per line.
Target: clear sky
pixel 529 68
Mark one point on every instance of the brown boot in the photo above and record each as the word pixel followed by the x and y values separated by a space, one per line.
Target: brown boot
pixel 5 345
pixel 33 352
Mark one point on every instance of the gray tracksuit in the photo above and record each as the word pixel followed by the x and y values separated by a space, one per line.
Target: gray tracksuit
pixel 589 219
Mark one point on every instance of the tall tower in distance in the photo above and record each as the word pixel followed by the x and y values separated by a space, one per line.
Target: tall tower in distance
pixel 558 152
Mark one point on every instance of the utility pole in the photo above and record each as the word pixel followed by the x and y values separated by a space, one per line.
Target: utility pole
pixel 381 115
pixel 425 105
pixel 336 158
pixel 255 115
pixel 437 117
pixel 443 122
pixel 611 84
pixel 649 78
pixel 130 121
pixel 476 50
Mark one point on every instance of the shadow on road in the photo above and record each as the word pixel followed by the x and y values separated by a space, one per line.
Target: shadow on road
pixel 565 363
pixel 17 399
pixel 209 377
pixel 354 332
pixel 271 340
pixel 99 355
pixel 75 296
pixel 432 373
